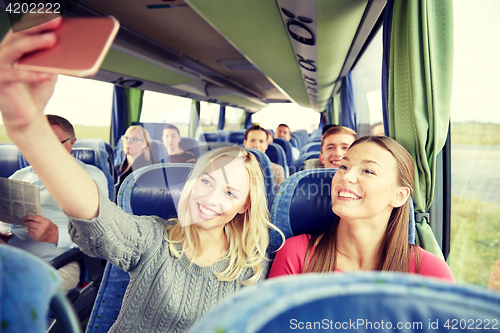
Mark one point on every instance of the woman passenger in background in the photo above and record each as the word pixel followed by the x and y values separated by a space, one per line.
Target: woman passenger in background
pixel 137 154
pixel 171 140
pixel 370 194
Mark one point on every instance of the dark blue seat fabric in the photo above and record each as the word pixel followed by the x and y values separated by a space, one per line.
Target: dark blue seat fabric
pixel 354 302
pixel 295 142
pixel 309 147
pixel 277 155
pixel 152 190
pixel 298 165
pixel 155 130
pixel 100 159
pixel 223 135
pixel 236 137
pixel 94 143
pixel 287 148
pixel 315 136
pixel 191 145
pixel 10 159
pixel 209 137
pixel 303 205
pixel 267 171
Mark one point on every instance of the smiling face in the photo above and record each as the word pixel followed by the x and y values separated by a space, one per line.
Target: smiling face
pixel 334 148
pixel 366 184
pixel 257 140
pixel 219 193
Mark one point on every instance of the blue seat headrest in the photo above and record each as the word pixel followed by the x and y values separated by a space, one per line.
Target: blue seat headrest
pixel 190 144
pixel 236 137
pixel 10 160
pixel 277 155
pixel 209 137
pixel 353 302
pixel 311 146
pixel 287 147
pixel 299 163
pixel 154 189
pixel 267 172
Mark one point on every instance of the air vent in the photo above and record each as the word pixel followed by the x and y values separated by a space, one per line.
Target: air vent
pixel 236 64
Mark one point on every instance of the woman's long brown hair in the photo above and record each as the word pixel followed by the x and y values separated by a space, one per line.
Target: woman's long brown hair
pixel 394 253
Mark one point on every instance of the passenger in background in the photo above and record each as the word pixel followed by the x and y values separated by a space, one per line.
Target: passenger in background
pixel 334 144
pixel 171 139
pixel 46 236
pixel 283 132
pixel 370 194
pixel 137 154
pixel 269 138
pixel 256 137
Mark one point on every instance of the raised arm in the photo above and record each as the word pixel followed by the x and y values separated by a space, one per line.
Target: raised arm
pixel 23 97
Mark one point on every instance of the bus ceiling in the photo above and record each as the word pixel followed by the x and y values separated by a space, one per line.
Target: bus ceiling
pixel 239 53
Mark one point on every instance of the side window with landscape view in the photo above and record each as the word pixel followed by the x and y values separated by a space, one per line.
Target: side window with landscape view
pixel 475 146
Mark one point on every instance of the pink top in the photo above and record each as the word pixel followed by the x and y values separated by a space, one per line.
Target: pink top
pixel 290 260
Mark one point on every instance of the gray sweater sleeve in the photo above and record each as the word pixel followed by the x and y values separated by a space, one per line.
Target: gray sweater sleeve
pixel 114 235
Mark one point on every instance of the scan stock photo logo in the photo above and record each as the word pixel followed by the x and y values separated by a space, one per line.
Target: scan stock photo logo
pixel 45 10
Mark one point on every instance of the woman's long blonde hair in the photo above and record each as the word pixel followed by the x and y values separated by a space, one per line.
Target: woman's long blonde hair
pixel 394 252
pixel 247 233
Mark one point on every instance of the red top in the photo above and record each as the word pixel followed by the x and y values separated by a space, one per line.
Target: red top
pixel 290 260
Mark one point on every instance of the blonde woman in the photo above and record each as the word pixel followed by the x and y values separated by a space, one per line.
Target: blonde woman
pixel 177 273
pixel 370 194
pixel 137 151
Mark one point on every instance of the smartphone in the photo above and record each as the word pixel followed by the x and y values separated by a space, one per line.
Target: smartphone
pixel 82 45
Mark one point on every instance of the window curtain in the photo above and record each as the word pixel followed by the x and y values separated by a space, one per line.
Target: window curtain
pixel 127 107
pixel 419 87
pixel 348 107
pixel 336 110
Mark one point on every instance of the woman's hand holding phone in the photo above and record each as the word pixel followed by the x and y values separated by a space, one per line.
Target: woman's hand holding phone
pixel 24 94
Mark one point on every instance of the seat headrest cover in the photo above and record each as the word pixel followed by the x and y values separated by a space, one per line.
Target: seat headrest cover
pixel 302 205
pixel 357 302
pixel 154 189
pixel 9 160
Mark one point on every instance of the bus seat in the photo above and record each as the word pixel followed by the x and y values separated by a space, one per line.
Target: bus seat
pixel 360 302
pixel 109 299
pixel 236 137
pixel 28 286
pixel 315 136
pixel 271 131
pixel 99 159
pixel 209 137
pixel 267 171
pixel 287 148
pixel 159 152
pixel 295 142
pixel 303 205
pixel 312 146
pixel 10 159
pixel 300 162
pixel 277 155
pixel 152 190
pixel 190 144
pixel 83 296
pixel 223 135
pixel 95 143
pixel 313 163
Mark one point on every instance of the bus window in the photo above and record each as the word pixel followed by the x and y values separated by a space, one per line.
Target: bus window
pixel 163 108
pixel 475 145
pixel 87 104
pixel 235 118
pixel 367 78
pixel 296 117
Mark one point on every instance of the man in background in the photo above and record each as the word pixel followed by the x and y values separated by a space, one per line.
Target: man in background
pixel 46 236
